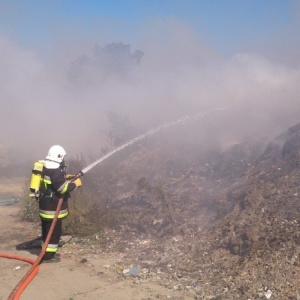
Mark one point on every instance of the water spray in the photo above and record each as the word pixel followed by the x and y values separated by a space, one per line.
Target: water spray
pixel 144 135
pixel 17 291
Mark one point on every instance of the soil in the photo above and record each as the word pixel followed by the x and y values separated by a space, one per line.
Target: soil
pixel 224 228
pixel 83 273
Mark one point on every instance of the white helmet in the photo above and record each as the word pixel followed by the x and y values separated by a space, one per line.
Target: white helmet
pixel 56 154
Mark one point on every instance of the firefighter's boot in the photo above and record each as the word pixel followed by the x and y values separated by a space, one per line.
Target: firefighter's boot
pixel 50 257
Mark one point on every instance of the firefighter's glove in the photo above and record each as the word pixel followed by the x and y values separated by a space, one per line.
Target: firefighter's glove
pixel 70 176
pixel 78 182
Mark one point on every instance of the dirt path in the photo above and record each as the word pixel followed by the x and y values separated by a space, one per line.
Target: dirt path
pixel 82 273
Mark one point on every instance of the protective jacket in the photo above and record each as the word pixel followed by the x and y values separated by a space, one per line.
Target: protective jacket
pixel 54 186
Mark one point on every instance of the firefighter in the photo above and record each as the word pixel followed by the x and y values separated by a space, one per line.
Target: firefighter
pixel 54 185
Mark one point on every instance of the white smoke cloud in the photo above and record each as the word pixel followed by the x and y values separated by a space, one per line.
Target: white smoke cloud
pixel 63 98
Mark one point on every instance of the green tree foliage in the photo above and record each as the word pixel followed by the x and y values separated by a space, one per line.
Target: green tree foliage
pixel 114 60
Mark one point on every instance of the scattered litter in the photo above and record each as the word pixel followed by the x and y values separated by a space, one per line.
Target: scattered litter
pixel 126 271
pixel 132 271
pixel 268 294
pixel 17 268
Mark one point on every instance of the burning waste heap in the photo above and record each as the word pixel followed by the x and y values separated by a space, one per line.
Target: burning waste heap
pixel 223 225
pixel 224 228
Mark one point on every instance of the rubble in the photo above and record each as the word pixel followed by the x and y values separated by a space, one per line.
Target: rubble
pixel 225 228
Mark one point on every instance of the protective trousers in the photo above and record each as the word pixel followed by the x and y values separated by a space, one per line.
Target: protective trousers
pixel 54 240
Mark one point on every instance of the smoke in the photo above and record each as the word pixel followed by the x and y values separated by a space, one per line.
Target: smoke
pixel 167 72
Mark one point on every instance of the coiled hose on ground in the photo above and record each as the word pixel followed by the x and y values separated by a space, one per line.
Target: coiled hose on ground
pixel 23 283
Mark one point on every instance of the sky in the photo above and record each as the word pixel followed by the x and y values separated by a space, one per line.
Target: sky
pixel 226 24
pixel 65 64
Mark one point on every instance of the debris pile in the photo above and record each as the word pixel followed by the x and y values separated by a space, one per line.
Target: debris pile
pixel 224 228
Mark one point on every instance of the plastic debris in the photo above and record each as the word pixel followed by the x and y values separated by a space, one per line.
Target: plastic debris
pixel 125 271
pixel 268 294
pixel 133 272
pixel 17 268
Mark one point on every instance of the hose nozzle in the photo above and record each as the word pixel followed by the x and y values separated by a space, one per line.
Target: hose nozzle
pixel 80 173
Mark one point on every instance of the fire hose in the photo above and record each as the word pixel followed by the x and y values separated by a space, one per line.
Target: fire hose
pixel 15 294
pixel 20 287
pixel 23 283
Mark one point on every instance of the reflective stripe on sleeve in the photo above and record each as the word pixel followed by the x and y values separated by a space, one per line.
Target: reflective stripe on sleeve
pixel 63 188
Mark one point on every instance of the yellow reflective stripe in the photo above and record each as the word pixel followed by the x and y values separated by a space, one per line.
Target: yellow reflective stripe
pixel 62 215
pixel 63 188
pixel 47 179
pixel 50 214
pixel 51 247
pixel 51 250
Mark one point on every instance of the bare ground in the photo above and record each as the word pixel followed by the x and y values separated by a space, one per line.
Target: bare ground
pixel 83 273
pixel 224 229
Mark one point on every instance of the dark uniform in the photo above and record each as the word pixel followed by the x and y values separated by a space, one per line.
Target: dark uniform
pixel 54 186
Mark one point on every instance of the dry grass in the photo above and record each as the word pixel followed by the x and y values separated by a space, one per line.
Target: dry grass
pixel 29 211
pixel 88 213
